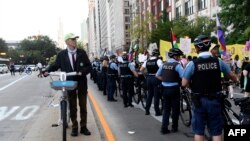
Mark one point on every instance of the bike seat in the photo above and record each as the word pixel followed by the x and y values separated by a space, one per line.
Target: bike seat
pixel 59 85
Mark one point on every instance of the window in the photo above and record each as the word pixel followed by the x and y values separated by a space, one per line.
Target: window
pixel 202 4
pixel 178 12
pixel 189 7
pixel 159 7
pixel 126 3
pixel 126 27
pixel 126 11
pixel 127 19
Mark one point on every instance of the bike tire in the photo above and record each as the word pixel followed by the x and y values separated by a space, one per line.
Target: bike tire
pixel 29 72
pixel 64 119
pixel 185 111
pixel 143 98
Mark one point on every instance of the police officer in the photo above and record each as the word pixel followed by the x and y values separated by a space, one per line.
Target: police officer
pixel 112 74
pixel 99 74
pixel 94 70
pixel 152 65
pixel 214 50
pixel 170 74
pixel 203 75
pixel 104 73
pixel 127 71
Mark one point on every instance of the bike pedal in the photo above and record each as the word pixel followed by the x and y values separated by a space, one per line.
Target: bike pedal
pixel 54 125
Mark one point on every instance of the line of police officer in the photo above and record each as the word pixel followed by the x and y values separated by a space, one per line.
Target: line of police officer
pixel 202 75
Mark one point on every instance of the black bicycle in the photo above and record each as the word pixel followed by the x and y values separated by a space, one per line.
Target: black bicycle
pixel 185 107
pixel 140 95
pixel 229 115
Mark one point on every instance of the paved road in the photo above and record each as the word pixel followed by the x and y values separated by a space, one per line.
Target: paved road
pixel 28 108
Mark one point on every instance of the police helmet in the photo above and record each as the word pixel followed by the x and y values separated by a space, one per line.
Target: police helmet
pixel 101 58
pixel 125 57
pixel 105 58
pixel 155 52
pixel 174 51
pixel 202 42
pixel 112 57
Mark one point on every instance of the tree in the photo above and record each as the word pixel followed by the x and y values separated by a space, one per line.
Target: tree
pixel 182 28
pixel 235 13
pixel 139 30
pixel 3 46
pixel 35 49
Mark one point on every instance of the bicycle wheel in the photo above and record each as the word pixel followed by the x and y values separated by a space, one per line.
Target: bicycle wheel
pixel 185 111
pixel 136 95
pixel 120 90
pixel 143 98
pixel 29 72
pixel 64 119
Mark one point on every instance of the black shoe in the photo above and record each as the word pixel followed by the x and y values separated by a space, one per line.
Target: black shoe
pixel 74 132
pixel 158 114
pixel 131 105
pixel 242 91
pixel 125 106
pixel 147 113
pixel 174 130
pixel 113 100
pixel 165 131
pixel 85 131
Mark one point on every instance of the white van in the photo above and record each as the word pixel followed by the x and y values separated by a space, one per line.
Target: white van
pixel 4 68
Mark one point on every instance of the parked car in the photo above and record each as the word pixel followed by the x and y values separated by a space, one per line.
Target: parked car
pixel 17 68
pixel 33 67
pixel 4 68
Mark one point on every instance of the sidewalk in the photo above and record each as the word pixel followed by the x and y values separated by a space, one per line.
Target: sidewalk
pixel 40 128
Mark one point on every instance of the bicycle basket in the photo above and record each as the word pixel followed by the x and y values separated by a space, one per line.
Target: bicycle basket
pixel 59 85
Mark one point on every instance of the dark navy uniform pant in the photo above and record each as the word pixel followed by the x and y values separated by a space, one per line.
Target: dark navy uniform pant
pixel 153 91
pixel 171 102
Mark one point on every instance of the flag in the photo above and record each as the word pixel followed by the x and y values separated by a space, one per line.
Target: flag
pixel 130 52
pixel 220 36
pixel 173 40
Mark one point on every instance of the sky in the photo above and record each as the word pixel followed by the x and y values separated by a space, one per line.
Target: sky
pixel 22 18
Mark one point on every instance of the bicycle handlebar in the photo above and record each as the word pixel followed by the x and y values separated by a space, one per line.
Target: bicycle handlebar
pixel 63 75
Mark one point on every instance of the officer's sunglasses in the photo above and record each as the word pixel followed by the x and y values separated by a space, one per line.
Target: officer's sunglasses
pixel 203 43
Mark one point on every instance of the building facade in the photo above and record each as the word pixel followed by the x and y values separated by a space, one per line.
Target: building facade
pixel 91 31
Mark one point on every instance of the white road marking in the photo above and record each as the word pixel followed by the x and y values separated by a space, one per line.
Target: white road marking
pixel 25 113
pixel 28 110
pixel 6 86
pixel 4 114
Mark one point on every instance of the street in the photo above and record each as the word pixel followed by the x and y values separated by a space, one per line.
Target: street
pixel 28 108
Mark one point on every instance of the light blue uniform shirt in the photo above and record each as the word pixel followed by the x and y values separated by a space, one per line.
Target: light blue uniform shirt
pixel 189 70
pixel 178 69
pixel 113 66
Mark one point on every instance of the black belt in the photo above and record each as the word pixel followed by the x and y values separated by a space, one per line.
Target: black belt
pixel 126 76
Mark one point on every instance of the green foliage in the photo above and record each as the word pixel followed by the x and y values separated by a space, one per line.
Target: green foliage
pixel 182 28
pixel 3 46
pixel 237 14
pixel 139 30
pixel 34 49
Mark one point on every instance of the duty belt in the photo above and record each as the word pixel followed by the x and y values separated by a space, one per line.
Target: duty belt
pixel 126 76
pixel 111 74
